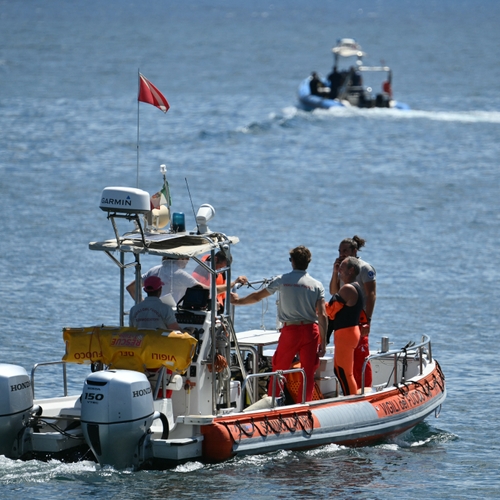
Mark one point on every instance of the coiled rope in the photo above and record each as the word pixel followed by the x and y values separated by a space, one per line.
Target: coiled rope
pixel 270 426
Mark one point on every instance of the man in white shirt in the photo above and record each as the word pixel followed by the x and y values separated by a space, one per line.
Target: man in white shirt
pixel 152 313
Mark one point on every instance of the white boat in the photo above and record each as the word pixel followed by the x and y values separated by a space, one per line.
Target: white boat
pixel 153 399
pixel 351 87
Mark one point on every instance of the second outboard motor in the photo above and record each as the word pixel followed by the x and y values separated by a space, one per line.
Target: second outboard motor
pixel 117 412
pixel 16 403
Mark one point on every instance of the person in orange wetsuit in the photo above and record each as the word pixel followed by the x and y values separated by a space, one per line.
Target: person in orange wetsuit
pixel 301 310
pixel 203 277
pixel 344 309
pixel 366 278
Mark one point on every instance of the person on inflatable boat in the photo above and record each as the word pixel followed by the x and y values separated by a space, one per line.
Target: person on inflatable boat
pixel 366 278
pixel 203 276
pixel 301 310
pixel 176 280
pixel 152 313
pixel 344 309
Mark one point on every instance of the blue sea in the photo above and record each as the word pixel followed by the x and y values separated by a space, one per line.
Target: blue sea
pixel 421 186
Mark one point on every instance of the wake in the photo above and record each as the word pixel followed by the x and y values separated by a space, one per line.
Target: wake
pixel 292 112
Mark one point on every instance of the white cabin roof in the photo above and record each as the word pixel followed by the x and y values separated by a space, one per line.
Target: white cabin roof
pixel 165 244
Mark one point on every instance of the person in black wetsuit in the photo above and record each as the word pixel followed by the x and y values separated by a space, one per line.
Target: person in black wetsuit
pixel 336 79
pixel 317 87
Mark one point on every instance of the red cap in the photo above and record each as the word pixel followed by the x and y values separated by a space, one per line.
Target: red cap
pixel 152 284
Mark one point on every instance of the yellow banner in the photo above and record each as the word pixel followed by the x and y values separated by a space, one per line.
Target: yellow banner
pixel 129 348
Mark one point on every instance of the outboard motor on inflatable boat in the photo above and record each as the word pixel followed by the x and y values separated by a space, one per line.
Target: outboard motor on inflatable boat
pixel 16 404
pixel 117 412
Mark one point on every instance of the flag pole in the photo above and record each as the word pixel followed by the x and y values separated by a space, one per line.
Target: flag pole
pixel 138 91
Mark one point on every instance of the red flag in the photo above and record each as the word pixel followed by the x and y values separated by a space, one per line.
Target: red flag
pixel 150 94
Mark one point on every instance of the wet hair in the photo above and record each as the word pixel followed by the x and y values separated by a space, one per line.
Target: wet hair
pixel 220 256
pixel 356 243
pixel 301 257
pixel 353 263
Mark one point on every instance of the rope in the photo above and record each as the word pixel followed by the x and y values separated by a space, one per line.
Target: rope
pixel 290 428
pixel 58 429
pixel 275 427
pixel 311 422
pixel 226 425
pixel 424 388
pixel 220 364
pixel 443 378
pixel 259 430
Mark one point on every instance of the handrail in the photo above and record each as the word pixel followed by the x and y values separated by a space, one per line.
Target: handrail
pixel 65 379
pixel 279 373
pixel 425 342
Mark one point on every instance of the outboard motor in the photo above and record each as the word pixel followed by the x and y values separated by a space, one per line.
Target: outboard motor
pixel 117 412
pixel 16 404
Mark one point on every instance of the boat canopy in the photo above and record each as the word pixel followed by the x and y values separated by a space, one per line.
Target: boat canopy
pixel 348 47
pixel 165 244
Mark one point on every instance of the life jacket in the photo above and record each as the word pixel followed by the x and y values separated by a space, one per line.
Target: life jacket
pixel 205 280
pixel 332 308
pixel 386 87
pixel 293 383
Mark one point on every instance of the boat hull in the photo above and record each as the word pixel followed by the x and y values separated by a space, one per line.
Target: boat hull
pixel 309 102
pixel 353 421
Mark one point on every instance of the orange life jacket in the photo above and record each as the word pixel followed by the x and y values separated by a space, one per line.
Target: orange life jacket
pixel 205 280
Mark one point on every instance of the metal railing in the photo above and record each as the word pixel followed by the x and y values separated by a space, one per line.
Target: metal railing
pixel 276 376
pixel 47 363
pixel 424 346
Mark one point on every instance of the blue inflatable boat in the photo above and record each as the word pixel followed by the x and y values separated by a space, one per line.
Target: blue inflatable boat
pixel 349 87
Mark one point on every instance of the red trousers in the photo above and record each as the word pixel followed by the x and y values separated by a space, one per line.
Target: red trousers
pixel 360 353
pixel 303 340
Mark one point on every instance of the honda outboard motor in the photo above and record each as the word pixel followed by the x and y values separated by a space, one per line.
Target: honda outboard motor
pixel 16 403
pixel 117 412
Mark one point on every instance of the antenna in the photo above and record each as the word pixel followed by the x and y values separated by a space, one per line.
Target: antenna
pixel 192 206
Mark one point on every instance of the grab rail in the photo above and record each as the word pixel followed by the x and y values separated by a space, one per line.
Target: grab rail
pixel 275 379
pixel 65 378
pixel 73 373
pixel 425 343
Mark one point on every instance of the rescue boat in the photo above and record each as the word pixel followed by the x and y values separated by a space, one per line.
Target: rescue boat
pixel 154 399
pixel 353 84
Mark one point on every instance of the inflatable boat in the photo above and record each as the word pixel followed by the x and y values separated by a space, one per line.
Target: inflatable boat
pixel 351 85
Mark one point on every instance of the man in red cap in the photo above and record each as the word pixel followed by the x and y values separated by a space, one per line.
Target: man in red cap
pixel 152 313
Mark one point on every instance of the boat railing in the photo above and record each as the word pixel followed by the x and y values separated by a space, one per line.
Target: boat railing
pixel 423 347
pixel 48 363
pixel 277 376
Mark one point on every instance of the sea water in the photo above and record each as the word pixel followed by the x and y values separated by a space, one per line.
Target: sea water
pixel 421 186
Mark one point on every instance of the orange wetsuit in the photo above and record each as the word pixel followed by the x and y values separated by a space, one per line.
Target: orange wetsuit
pixel 346 339
pixel 361 352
